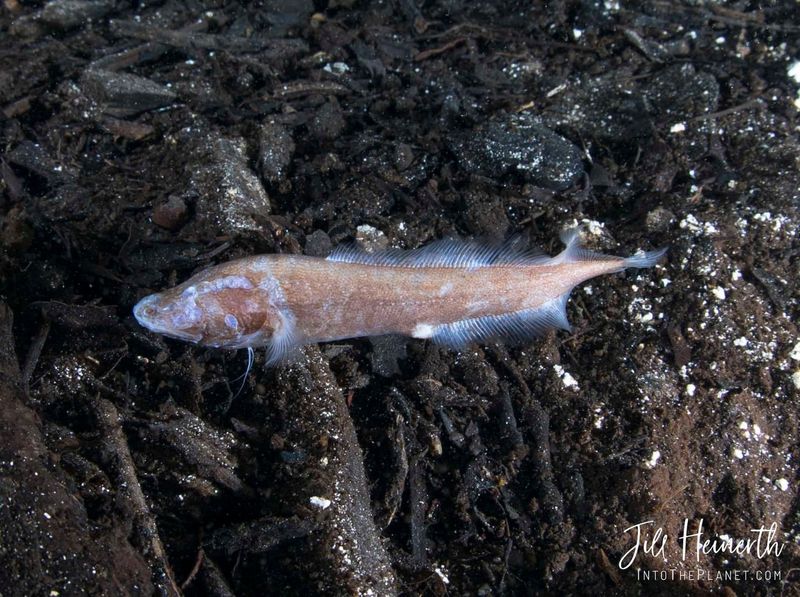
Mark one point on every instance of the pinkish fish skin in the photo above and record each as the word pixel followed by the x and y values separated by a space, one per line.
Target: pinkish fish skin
pixel 452 292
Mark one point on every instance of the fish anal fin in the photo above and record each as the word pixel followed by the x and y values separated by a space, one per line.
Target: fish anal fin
pixel 516 327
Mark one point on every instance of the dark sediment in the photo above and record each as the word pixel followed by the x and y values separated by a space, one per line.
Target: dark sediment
pixel 141 144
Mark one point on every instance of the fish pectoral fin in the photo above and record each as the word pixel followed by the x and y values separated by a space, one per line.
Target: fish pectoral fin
pixel 516 327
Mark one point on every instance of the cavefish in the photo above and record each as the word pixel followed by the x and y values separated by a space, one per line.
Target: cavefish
pixel 451 292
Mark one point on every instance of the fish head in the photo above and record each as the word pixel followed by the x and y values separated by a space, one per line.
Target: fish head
pixel 212 309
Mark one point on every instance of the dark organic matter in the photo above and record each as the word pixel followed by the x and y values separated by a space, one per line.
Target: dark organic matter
pixel 141 142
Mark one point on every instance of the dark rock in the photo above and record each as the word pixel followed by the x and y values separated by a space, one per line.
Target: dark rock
pixel 602 109
pixel 285 14
pixel 386 352
pixel 230 196
pixel 370 239
pixel 368 198
pixel 121 94
pixel 328 123
pixel 485 215
pixel 680 92
pixel 318 244
pixel 171 214
pixel 68 14
pixel 613 111
pixel 27 27
pixel 202 95
pixel 403 156
pixel 519 144
pixel 477 375
pixel 36 159
pixel 275 150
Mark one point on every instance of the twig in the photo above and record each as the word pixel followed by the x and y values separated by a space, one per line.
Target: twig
pixel 757 103
pixel 131 490
pixel 195 569
pixel 34 352
pixel 425 54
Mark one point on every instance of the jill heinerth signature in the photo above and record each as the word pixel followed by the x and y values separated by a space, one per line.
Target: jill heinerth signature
pixel 652 540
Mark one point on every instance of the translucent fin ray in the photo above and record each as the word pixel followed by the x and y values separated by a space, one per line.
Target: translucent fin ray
pixel 446 253
pixel 574 250
pixel 283 343
pixel 645 258
pixel 517 327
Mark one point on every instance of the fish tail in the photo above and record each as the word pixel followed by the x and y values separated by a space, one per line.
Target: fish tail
pixel 575 251
pixel 644 258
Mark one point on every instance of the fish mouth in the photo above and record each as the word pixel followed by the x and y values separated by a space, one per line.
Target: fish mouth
pixel 146 313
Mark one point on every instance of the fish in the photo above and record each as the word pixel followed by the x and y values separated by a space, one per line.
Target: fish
pixel 452 292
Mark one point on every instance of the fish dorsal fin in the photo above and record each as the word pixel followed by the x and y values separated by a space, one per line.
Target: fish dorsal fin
pixel 445 253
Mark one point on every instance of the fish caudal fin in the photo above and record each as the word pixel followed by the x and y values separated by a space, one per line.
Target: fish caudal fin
pixel 644 258
pixel 575 251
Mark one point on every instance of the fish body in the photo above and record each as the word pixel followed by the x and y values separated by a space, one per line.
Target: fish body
pixel 452 292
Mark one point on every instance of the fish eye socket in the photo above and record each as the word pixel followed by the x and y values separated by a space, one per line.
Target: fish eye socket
pixel 149 311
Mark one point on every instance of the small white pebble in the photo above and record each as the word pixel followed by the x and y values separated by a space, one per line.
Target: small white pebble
pixel 738 454
pixel 566 378
pixel 741 342
pixel 719 293
pixel 782 484
pixel 594 227
pixel 336 68
pixel 320 502
pixel 441 575
pixel 690 389
pixel 794 71
pixel 678 127
pixel 654 458
pixel 569 381
pixel 796 379
pixel 795 354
